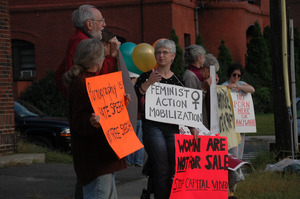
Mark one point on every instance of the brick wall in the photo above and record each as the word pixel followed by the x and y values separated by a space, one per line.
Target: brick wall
pixel 8 142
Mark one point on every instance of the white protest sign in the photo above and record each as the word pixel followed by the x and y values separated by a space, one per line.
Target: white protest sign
pixel 186 131
pixel 214 115
pixel 243 112
pixel 174 104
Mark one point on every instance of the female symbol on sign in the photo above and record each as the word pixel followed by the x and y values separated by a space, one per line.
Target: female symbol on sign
pixel 196 100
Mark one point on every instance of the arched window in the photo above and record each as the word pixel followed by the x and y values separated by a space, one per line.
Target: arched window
pixel 23 60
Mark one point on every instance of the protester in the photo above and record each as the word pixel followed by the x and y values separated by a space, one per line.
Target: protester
pixel 89 23
pixel 158 137
pixel 136 158
pixel 234 74
pixel 195 74
pixel 94 160
pixel 210 60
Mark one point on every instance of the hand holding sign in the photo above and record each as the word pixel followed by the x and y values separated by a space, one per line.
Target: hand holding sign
pixel 95 120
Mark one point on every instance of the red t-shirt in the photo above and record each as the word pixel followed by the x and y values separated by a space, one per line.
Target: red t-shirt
pixel 109 64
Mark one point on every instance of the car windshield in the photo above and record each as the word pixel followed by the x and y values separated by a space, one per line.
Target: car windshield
pixel 22 111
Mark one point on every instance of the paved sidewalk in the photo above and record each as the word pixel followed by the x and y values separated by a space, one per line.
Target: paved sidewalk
pixel 57 181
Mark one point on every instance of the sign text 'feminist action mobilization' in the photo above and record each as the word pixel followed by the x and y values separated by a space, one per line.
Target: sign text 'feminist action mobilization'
pixel 174 104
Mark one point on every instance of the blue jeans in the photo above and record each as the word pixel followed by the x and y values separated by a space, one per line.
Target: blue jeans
pixel 137 157
pixel 103 187
pixel 159 142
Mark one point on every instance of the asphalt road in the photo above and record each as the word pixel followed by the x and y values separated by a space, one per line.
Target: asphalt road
pixel 57 181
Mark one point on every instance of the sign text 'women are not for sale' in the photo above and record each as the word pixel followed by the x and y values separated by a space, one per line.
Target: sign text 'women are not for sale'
pixel 201 167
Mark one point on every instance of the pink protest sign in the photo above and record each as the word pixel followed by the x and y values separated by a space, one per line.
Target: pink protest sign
pixel 201 167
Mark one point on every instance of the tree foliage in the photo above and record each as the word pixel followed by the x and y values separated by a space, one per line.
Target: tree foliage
pixel 258 57
pixel 44 95
pixel 297 59
pixel 178 65
pixel 224 59
pixel 199 40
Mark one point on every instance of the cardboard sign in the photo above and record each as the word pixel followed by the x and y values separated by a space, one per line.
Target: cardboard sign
pixel 174 104
pixel 226 117
pixel 106 93
pixel 214 113
pixel 132 107
pixel 243 112
pixel 201 167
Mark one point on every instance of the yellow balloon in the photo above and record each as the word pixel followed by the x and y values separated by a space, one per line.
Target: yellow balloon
pixel 143 57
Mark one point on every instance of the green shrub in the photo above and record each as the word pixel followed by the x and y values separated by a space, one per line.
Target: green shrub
pixel 44 95
pixel 262 159
pixel 177 66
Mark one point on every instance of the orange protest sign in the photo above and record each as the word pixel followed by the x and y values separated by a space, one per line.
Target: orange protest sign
pixel 106 93
pixel 201 167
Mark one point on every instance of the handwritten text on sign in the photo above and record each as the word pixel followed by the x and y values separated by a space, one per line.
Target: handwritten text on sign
pixel 243 112
pixel 106 93
pixel 174 104
pixel 226 120
pixel 201 167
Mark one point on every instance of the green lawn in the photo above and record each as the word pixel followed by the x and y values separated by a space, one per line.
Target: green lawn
pixel 264 124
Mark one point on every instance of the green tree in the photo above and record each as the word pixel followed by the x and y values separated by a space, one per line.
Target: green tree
pixel 177 66
pixel 224 59
pixel 44 95
pixel 297 59
pixel 199 40
pixel 267 37
pixel 259 71
pixel 258 57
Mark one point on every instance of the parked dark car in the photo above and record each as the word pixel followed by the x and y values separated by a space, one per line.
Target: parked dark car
pixel 40 129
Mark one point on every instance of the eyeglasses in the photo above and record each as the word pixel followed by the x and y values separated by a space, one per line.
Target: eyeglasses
pixel 163 53
pixel 100 20
pixel 235 74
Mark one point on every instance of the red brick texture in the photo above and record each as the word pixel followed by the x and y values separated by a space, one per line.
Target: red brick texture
pixel 8 139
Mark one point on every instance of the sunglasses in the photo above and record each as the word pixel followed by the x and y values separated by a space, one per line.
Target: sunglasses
pixel 235 74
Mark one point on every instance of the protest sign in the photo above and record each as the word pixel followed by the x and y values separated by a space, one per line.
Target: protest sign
pixel 243 112
pixel 106 93
pixel 226 117
pixel 174 104
pixel 201 167
pixel 132 106
pixel 214 113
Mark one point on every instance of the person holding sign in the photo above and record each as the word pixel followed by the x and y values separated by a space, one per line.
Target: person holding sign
pixel 89 23
pixel 94 160
pixel 234 73
pixel 196 76
pixel 158 137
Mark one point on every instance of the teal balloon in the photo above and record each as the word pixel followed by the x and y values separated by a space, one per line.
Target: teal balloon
pixel 126 50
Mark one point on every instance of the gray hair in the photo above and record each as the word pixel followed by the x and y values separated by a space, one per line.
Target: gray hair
pixel 88 53
pixel 82 14
pixel 210 60
pixel 191 53
pixel 166 43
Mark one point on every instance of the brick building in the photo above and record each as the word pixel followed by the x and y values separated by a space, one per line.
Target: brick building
pixel 7 131
pixel 41 29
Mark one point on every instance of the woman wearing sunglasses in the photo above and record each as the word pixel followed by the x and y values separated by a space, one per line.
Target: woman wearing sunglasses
pixel 234 73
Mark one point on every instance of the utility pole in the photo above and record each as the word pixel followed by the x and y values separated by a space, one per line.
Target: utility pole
pixel 281 117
